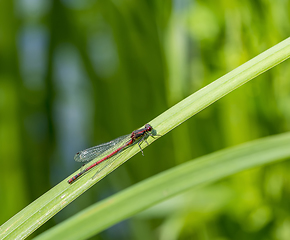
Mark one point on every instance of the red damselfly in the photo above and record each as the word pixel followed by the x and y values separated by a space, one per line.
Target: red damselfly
pixel 137 136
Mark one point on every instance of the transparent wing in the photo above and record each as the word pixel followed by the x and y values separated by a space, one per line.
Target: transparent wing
pixel 93 152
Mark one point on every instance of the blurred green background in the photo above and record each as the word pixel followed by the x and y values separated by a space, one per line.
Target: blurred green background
pixel 76 73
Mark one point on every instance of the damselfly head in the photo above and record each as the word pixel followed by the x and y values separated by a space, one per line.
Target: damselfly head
pixel 148 127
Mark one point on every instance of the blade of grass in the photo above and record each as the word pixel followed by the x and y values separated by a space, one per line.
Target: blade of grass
pixel 198 172
pixel 38 212
pixel 222 86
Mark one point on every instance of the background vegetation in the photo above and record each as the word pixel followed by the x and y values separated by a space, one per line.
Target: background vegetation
pixel 77 73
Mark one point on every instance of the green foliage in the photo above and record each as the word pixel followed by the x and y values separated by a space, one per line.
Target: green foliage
pixel 53 201
pixel 202 171
pixel 77 73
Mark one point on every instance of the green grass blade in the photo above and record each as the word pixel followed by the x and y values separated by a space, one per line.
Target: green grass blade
pixel 201 171
pixel 41 210
pixel 222 86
